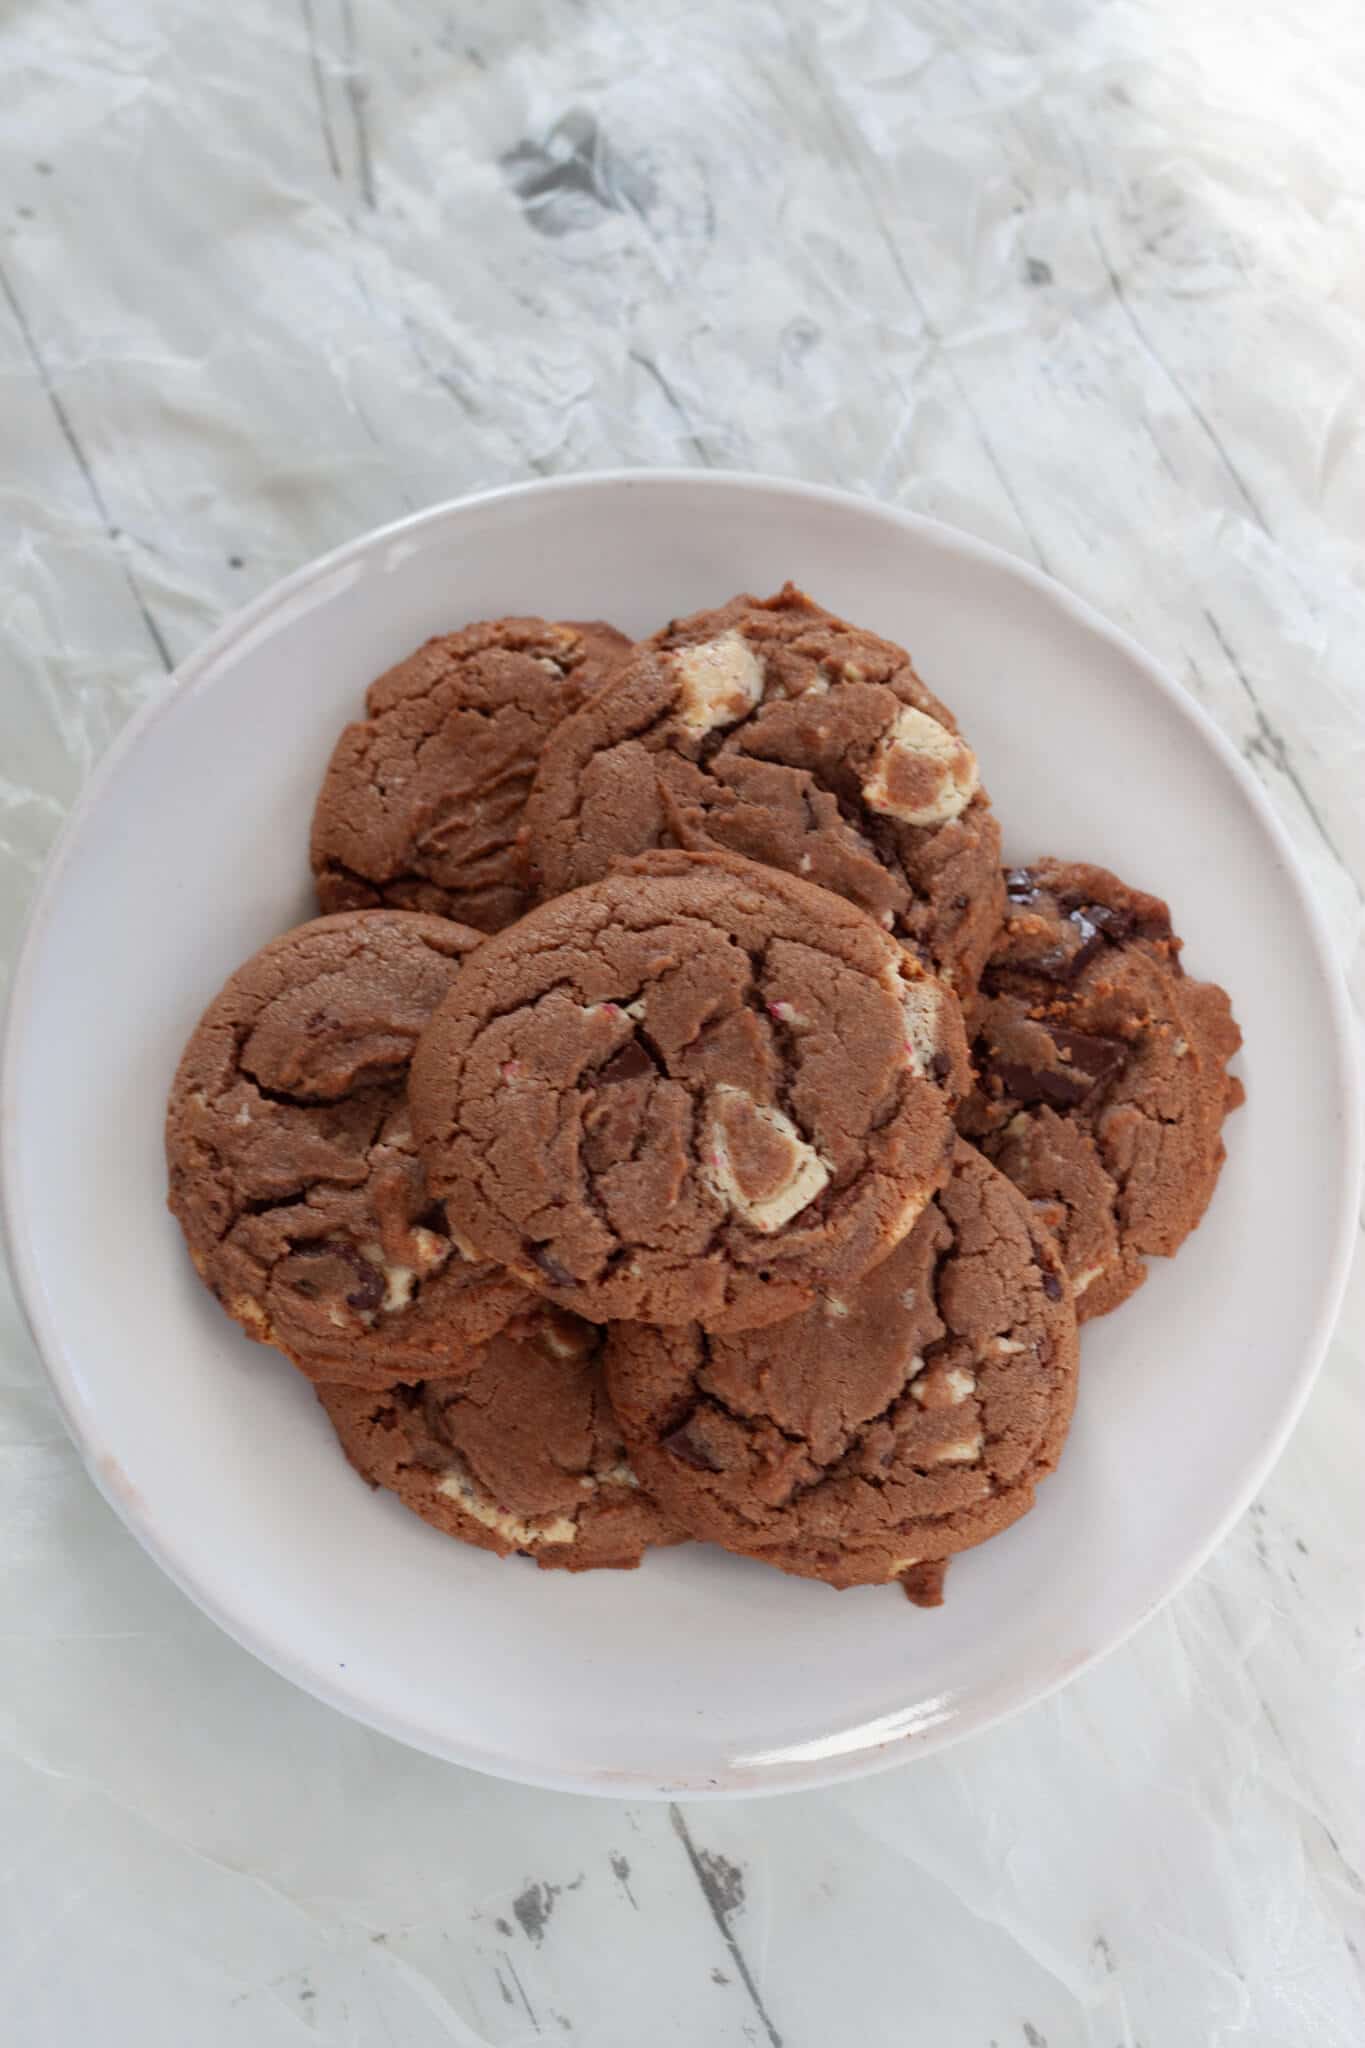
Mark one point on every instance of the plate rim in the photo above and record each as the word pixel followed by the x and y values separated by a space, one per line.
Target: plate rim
pixel 735 1782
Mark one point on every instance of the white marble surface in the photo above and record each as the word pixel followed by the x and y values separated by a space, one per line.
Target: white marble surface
pixel 1084 276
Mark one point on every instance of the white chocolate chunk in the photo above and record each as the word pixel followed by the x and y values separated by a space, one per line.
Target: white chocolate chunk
pixel 807 1174
pixel 399 1282
pixel 916 752
pixel 939 1389
pixel 429 1249
pixel 964 1453
pixel 457 1484
pixel 243 1115
pixel 1007 1347
pixel 834 1308
pixel 921 1004
pixel 1086 1279
pixel 911 1209
pixel 619 1474
pixel 1180 1048
pixel 718 682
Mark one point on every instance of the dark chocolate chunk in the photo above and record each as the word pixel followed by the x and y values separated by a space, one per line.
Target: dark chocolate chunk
pixel 1098 1059
pixel 1056 1086
pixel 1091 937
pixel 626 1065
pixel 680 1443
pixel 367 1295
pixel 1085 1063
pixel 1116 925
pixel 1052 1286
pixel 1062 963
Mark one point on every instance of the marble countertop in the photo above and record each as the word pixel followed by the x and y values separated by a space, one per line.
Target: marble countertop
pixel 1082 276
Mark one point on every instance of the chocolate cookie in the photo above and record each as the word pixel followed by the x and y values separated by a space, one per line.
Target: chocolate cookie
pixel 1102 1073
pixel 774 730
pixel 521 1452
pixel 293 1171
pixel 422 800
pixel 697 1091
pixel 901 1420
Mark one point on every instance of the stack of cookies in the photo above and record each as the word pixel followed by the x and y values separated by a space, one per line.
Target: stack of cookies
pixel 677 1125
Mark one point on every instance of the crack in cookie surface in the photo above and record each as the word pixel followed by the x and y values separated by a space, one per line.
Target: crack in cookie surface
pixel 421 805
pixel 520 1453
pixel 293 1168
pixel 687 1091
pixel 904 1419
pixel 827 758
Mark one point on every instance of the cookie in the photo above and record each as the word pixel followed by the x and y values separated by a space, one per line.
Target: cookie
pixel 422 799
pixel 293 1170
pixel 697 1091
pixel 1102 1073
pixel 519 1453
pixel 894 1424
pixel 774 730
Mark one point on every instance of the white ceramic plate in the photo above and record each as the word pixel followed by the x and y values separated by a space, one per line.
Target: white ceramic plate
pixel 699 1673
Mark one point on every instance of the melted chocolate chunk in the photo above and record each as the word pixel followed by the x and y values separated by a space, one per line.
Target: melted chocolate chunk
pixel 1098 1059
pixel 1093 923
pixel 557 1275
pixel 1086 1063
pixel 1063 963
pixel 628 1064
pixel 1053 1085
pixel 680 1443
pixel 368 1293
pixel 1117 925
